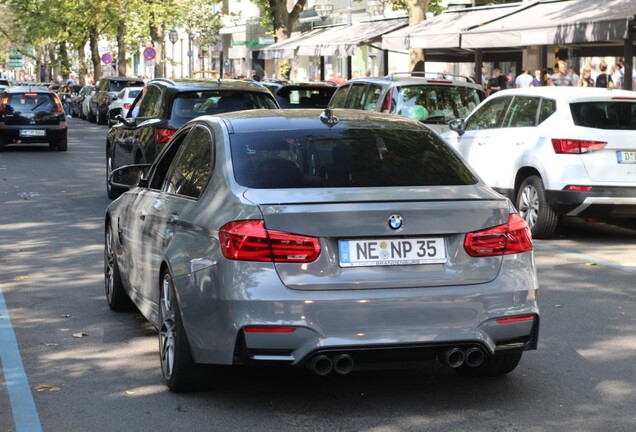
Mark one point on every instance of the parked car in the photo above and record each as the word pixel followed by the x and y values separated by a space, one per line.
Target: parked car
pixel 555 151
pixel 107 90
pixel 166 106
pixel 290 94
pixel 325 240
pixel 122 103
pixel 432 98
pixel 32 116
pixel 86 112
pixel 76 105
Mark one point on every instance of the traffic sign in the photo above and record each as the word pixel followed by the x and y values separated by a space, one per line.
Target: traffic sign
pixel 150 53
pixel 107 58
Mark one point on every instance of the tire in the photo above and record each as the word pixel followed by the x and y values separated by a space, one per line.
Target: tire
pixel 177 365
pixel 113 192
pixel 99 117
pixel 116 296
pixel 61 144
pixel 90 116
pixel 533 206
pixel 497 365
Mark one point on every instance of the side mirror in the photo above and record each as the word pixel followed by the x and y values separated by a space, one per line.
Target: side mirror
pixel 129 176
pixel 125 121
pixel 457 125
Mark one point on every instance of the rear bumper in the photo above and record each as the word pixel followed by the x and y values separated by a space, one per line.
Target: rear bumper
pixel 11 134
pixel 601 202
pixel 390 324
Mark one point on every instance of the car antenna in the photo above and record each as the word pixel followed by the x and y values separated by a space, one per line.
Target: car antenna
pixel 327 117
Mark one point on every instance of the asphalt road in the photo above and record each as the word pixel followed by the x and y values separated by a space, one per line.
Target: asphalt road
pixel 77 366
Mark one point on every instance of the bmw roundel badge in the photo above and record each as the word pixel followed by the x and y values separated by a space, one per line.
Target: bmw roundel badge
pixel 395 221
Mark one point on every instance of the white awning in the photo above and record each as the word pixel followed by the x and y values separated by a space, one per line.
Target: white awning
pixel 287 48
pixel 557 22
pixel 343 40
pixel 445 30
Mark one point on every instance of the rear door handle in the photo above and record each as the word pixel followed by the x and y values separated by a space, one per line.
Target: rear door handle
pixel 142 215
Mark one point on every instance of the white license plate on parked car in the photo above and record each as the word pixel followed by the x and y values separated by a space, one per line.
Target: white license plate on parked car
pixel 388 252
pixel 32 132
pixel 626 156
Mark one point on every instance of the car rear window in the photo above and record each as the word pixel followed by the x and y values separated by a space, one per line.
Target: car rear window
pixel 117 86
pixel 345 158
pixel 188 105
pixel 436 104
pixel 605 114
pixel 30 102
pixel 133 94
pixel 304 97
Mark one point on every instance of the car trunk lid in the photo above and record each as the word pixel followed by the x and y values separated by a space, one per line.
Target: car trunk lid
pixel 363 218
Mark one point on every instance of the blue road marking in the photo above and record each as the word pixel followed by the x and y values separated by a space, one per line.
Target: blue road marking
pixel 25 415
pixel 587 258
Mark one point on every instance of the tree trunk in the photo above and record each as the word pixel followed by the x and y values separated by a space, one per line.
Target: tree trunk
pixel 122 66
pixel 283 26
pixel 417 13
pixel 95 59
pixel 83 68
pixel 53 61
pixel 158 35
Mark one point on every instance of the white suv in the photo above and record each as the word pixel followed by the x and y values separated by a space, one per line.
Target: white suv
pixel 555 151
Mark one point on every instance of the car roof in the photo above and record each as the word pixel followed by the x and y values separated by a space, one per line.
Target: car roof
pixel 569 94
pixel 311 118
pixel 197 84
pixel 422 78
pixel 30 89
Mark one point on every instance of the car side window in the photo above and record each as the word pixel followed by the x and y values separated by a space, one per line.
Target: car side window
pixel 339 97
pixel 522 112
pixel 356 95
pixel 370 97
pixel 489 115
pixel 151 103
pixel 548 107
pixel 191 168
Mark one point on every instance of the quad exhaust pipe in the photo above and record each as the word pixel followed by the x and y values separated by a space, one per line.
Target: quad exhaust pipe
pixel 456 357
pixel 323 364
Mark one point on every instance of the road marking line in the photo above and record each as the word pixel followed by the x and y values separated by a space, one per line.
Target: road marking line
pixel 582 257
pixel 25 415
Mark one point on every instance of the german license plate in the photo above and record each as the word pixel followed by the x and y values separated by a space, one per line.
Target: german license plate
pixel 390 252
pixel 32 132
pixel 626 157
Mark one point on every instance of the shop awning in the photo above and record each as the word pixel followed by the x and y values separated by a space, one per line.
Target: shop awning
pixel 444 30
pixel 343 40
pixel 286 49
pixel 561 22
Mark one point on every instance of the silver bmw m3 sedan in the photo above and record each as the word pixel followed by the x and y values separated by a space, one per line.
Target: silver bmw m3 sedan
pixel 332 240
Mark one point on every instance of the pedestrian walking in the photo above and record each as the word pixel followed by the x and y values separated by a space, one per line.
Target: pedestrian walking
pixel 604 79
pixel 496 82
pixel 536 80
pixel 524 80
pixel 561 77
pixel 586 78
pixel 66 94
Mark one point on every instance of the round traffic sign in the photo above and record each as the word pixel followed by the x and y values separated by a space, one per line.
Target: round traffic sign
pixel 150 53
pixel 107 58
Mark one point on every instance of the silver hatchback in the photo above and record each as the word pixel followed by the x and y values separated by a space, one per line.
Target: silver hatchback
pixel 332 240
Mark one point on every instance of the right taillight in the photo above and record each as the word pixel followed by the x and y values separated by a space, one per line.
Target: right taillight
pixel 249 240
pixel 511 238
pixel 386 103
pixel 575 146
pixel 163 135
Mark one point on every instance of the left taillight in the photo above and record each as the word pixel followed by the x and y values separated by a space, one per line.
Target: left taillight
pixel 249 240
pixel 58 104
pixel 163 135
pixel 575 146
pixel 511 238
